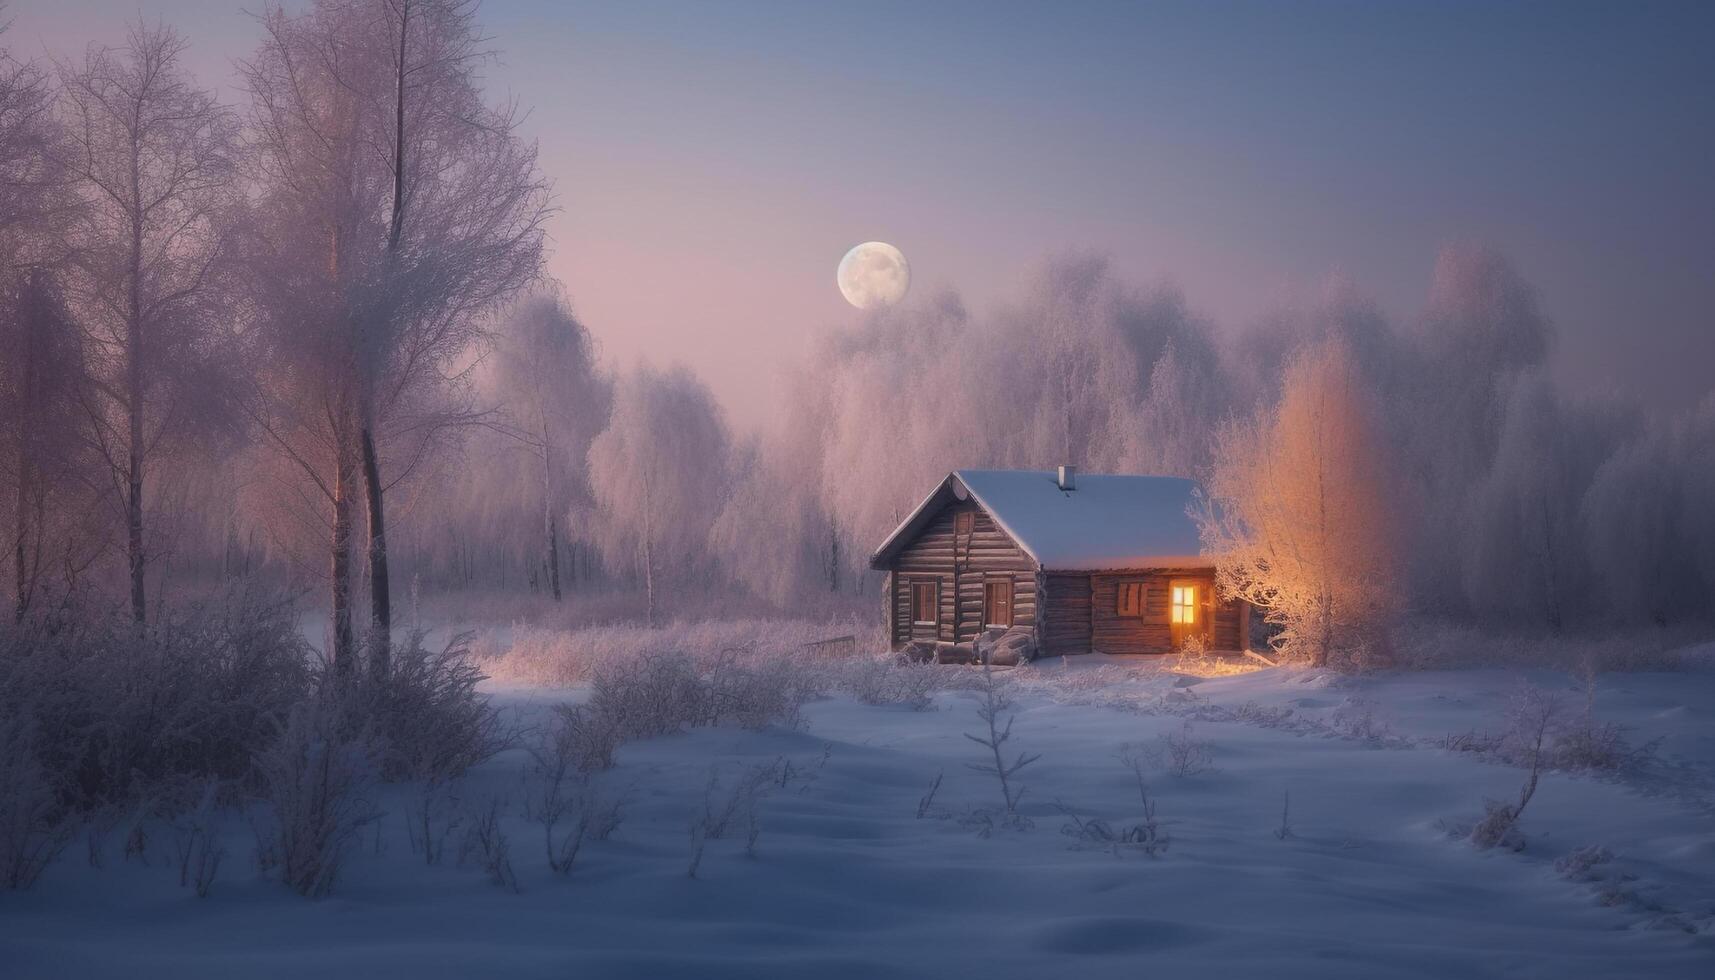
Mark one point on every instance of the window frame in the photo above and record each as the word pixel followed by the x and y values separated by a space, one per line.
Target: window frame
pixel 1186 608
pixel 1011 602
pixel 1124 586
pixel 934 588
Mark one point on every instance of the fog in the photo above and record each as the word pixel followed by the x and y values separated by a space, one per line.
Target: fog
pixel 315 344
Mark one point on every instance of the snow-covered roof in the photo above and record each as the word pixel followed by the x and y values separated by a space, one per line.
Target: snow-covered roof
pixel 1106 523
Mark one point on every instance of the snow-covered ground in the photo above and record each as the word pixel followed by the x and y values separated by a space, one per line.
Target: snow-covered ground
pixel 847 880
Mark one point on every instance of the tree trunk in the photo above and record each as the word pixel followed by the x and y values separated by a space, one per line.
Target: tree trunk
pixel 380 591
pixel 548 509
pixel 28 368
pixel 134 407
pixel 340 571
pixel 648 557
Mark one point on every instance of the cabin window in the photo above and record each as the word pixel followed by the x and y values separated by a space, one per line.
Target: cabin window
pixel 925 607
pixel 963 521
pixel 997 603
pixel 1130 599
pixel 1184 604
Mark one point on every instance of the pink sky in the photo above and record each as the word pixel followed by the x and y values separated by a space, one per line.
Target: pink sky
pixel 714 161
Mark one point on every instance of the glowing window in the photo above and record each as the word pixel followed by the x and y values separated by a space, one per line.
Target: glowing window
pixel 1184 604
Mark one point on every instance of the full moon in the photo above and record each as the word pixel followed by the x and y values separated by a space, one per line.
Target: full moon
pixel 873 275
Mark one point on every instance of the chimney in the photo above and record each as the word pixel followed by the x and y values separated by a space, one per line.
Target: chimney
pixel 1067 477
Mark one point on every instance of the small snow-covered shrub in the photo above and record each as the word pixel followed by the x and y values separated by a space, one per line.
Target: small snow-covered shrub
pixel 124 713
pixel 731 808
pixel 197 840
pixel 655 694
pixel 562 796
pixel 33 822
pixel 890 679
pixel 758 691
pixel 1533 713
pixel 487 843
pixel 317 779
pixel 1580 865
pixel 1187 755
pixel 431 816
pixel 1355 717
pixel 427 715
pixel 559 658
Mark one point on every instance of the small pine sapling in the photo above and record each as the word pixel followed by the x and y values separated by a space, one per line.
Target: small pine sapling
pixel 996 703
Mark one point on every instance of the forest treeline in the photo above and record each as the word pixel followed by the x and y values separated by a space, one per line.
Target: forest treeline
pixel 308 336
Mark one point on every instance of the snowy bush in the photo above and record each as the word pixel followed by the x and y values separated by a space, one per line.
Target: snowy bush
pixel 426 712
pixel 889 679
pixel 317 779
pixel 1355 717
pixel 487 843
pixel 563 797
pixel 1532 716
pixel 733 808
pixel 1143 837
pixel 124 714
pixel 1186 755
pixel 33 822
pixel 431 816
pixel 197 842
pixel 1580 865
pixel 560 658
pixel 655 694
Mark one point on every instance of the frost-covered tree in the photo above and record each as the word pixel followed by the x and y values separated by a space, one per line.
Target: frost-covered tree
pixel 772 535
pixel 1633 530
pixel 553 402
pixel 659 472
pixel 1523 548
pixel 1482 329
pixel 44 489
pixel 1299 514
pixel 1696 489
pixel 400 210
pixel 153 156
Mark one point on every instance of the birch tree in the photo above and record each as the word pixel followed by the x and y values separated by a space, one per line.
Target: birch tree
pixel 373 137
pixel 1632 528
pixel 39 383
pixel 1299 512
pixel 153 155
pixel 44 491
pixel 659 474
pixel 544 373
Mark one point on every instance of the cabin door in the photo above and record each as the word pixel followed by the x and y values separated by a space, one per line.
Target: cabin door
pixel 1187 609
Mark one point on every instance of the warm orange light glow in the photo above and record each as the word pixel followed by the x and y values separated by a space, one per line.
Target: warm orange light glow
pixel 1184 603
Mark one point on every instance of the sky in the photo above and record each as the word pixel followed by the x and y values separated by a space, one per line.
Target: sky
pixel 714 161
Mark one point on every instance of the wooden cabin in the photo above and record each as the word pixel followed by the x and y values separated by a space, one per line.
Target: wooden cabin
pixel 1086 562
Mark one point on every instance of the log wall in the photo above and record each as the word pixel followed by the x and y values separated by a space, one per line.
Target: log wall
pixel 1153 632
pixel 1072 612
pixel 959 564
